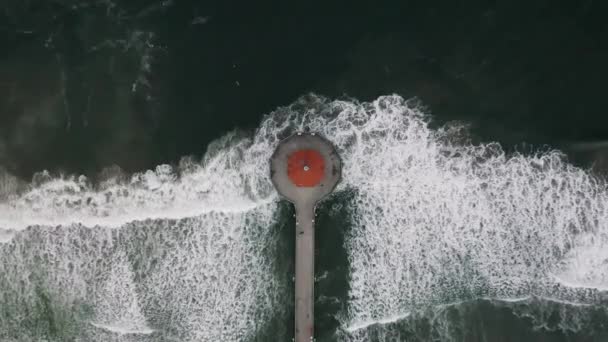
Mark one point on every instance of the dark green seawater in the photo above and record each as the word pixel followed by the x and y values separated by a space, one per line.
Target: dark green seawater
pixel 473 205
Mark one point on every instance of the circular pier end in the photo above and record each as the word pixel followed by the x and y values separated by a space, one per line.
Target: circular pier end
pixel 305 168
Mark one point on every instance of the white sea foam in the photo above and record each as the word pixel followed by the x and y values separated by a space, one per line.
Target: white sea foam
pixel 117 305
pixel 227 180
pixel 124 328
pixel 6 235
pixel 380 321
pixel 585 266
pixel 185 254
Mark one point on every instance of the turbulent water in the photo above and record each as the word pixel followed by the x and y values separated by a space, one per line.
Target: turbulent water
pixel 435 229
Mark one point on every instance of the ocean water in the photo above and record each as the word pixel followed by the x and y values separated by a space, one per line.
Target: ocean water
pixel 427 238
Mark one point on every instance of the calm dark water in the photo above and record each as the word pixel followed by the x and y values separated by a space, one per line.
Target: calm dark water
pixel 136 84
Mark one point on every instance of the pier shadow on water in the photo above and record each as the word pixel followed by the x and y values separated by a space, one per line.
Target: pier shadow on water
pixel 333 221
pixel 331 268
pixel 281 326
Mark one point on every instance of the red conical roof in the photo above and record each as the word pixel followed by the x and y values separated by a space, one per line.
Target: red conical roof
pixel 305 168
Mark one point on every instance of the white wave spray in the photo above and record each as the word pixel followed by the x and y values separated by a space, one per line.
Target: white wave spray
pixel 184 254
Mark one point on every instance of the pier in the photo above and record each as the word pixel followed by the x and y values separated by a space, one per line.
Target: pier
pixel 304 169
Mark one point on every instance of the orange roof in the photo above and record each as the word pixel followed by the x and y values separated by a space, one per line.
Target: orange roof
pixel 305 168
